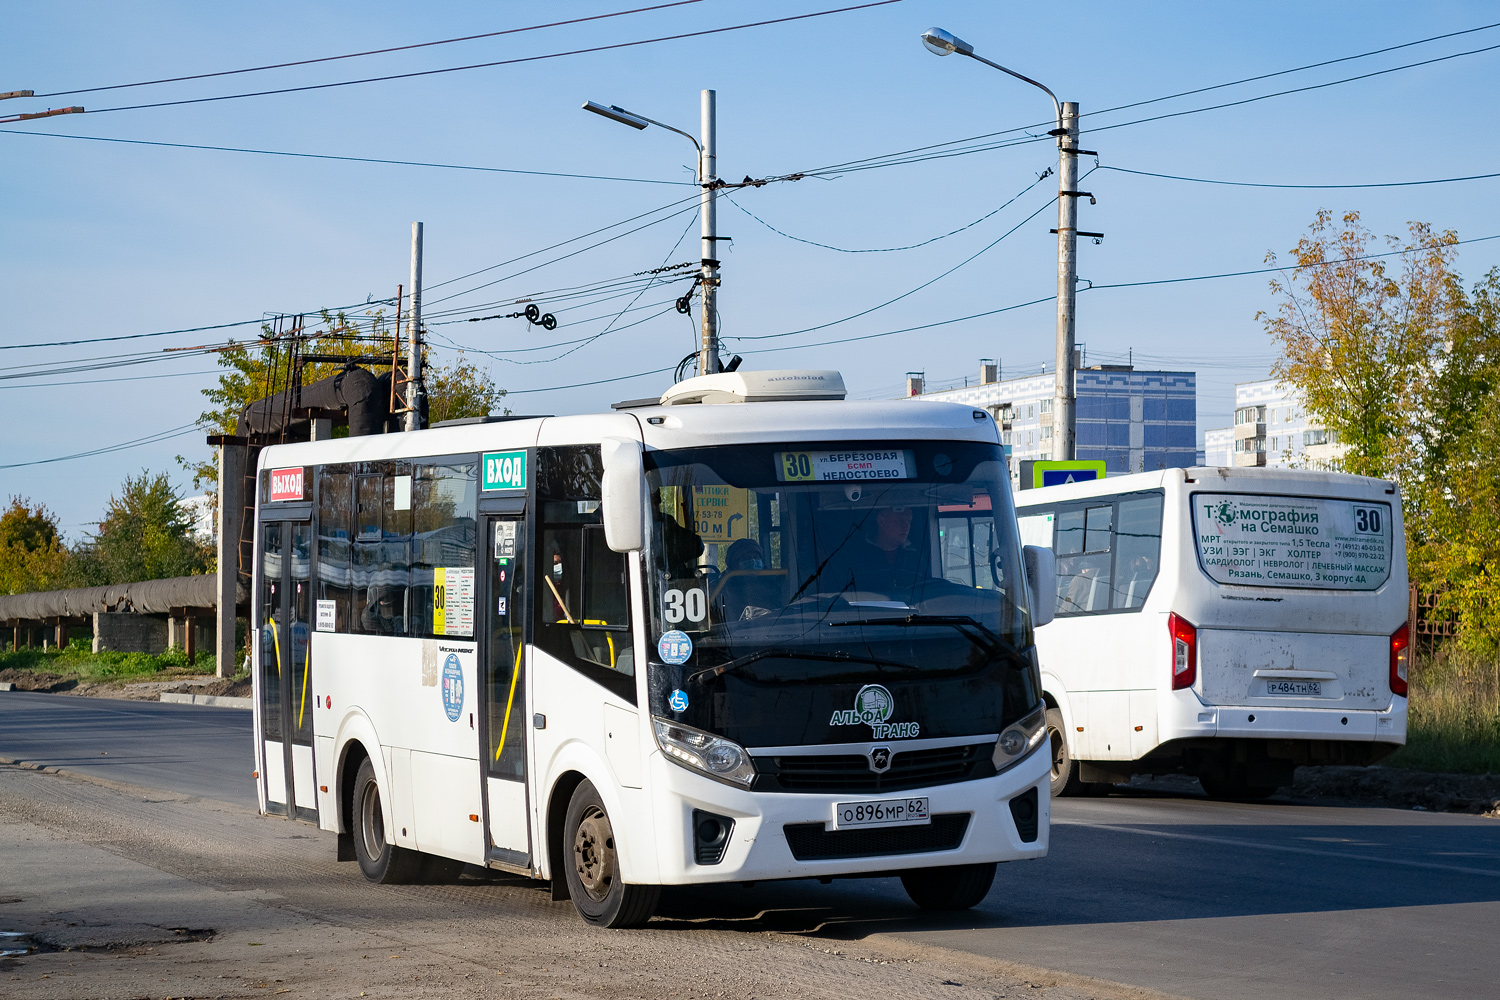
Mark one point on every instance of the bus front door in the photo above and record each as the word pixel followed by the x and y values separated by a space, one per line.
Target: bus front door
pixel 284 669
pixel 505 691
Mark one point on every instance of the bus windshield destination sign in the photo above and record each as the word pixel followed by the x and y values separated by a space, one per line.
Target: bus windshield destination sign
pixel 1267 541
pixel 841 466
pixel 504 470
pixel 286 484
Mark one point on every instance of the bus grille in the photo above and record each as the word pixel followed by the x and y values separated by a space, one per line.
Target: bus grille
pixel 839 773
pixel 811 842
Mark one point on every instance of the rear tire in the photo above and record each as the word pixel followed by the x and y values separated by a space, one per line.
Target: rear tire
pixel 1065 780
pixel 601 897
pixel 381 861
pixel 957 887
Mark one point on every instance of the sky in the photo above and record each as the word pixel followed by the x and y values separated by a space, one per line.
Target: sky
pixel 110 239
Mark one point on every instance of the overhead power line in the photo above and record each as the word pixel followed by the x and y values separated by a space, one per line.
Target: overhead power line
pixel 138 442
pixel 486 65
pixel 353 159
pixel 1301 187
pixel 368 52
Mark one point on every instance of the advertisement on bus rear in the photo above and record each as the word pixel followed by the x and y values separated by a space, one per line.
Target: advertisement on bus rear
pixel 1276 541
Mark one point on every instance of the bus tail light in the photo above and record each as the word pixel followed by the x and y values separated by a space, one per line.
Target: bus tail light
pixel 1400 659
pixel 1184 651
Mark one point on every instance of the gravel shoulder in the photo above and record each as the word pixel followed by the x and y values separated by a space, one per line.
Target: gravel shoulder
pixel 129 892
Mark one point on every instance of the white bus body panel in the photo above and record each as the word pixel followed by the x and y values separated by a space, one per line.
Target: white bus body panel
pixel 1110 673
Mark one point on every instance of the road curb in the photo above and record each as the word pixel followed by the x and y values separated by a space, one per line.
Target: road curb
pixel 211 700
pixel 7 686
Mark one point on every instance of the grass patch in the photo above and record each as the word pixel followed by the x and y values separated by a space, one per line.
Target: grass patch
pixel 1453 721
pixel 77 661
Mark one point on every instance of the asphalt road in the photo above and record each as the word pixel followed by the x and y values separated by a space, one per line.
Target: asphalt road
pixel 1168 892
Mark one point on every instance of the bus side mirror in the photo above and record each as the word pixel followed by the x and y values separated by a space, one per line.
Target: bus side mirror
pixel 1041 581
pixel 624 495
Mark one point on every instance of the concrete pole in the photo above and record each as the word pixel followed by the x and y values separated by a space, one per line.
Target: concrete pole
pixel 1064 408
pixel 415 390
pixel 708 354
pixel 231 511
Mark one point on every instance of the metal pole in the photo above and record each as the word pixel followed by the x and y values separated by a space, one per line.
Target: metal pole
pixel 1064 423
pixel 708 354
pixel 414 390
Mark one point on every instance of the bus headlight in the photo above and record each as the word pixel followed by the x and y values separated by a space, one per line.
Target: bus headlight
pixel 1020 738
pixel 700 751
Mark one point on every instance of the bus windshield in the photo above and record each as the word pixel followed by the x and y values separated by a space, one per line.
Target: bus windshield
pixel 783 567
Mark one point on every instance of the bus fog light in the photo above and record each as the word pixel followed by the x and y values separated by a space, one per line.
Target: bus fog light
pixel 1020 738
pixel 704 752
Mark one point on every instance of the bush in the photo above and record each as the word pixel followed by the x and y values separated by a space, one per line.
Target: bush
pixel 77 660
pixel 1453 722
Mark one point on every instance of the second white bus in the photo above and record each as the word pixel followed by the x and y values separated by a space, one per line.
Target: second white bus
pixel 1225 623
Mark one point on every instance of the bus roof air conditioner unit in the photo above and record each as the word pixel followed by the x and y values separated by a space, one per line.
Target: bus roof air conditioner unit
pixel 756 387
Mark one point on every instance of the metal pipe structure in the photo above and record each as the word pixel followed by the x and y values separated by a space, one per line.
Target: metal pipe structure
pixel 1064 406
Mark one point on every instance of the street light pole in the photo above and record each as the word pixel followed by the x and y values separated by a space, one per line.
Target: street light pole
pixel 708 182
pixel 1064 406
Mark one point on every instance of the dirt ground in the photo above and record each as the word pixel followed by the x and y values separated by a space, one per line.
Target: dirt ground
pixel 118 892
pixel 130 690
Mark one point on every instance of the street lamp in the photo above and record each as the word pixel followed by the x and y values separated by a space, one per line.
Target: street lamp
pixel 708 353
pixel 1064 420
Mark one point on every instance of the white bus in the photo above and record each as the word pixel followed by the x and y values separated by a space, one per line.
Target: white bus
pixel 1225 623
pixel 715 637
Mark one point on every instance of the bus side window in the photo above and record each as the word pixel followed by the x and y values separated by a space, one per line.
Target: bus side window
pixel 382 550
pixel 582 590
pixel 335 516
pixel 1083 563
pixel 1137 550
pixel 441 597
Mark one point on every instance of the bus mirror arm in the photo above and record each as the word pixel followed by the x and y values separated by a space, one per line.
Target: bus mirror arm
pixel 624 495
pixel 1041 583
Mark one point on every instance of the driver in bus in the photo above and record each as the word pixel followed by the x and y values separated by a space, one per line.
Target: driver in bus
pixel 885 560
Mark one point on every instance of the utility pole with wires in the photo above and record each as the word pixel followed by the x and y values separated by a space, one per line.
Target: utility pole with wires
pixel 415 391
pixel 708 352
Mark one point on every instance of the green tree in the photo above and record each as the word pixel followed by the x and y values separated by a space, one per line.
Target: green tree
pixel 146 534
pixel 1361 344
pixel 1453 509
pixel 460 390
pixel 32 556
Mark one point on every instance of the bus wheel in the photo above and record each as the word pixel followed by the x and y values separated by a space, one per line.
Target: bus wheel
pixel 380 860
pixel 1064 768
pixel 593 870
pixel 957 887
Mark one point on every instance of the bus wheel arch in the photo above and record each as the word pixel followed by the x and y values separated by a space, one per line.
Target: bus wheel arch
pixel 353 755
pixel 557 816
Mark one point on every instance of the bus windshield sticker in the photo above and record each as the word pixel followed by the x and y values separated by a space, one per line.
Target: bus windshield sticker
pixel 843 466
pixel 1270 541
pixel 873 706
pixel 678 702
pixel 505 539
pixel 685 605
pixel 453 600
pixel 453 687
pixel 504 470
pixel 327 616
pixel 675 647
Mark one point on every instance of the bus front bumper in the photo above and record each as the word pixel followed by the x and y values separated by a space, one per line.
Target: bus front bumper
pixel 781 835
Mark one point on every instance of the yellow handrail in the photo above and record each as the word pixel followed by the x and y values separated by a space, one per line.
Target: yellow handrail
pixel 515 675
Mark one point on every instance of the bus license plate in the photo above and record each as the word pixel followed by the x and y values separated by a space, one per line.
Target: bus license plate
pixel 881 812
pixel 1312 688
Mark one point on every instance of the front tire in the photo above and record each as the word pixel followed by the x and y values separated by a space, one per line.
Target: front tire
pixel 1065 780
pixel 600 895
pixel 381 861
pixel 957 887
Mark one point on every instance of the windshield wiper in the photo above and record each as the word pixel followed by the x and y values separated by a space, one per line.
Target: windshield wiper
pixel 795 654
pixel 972 628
